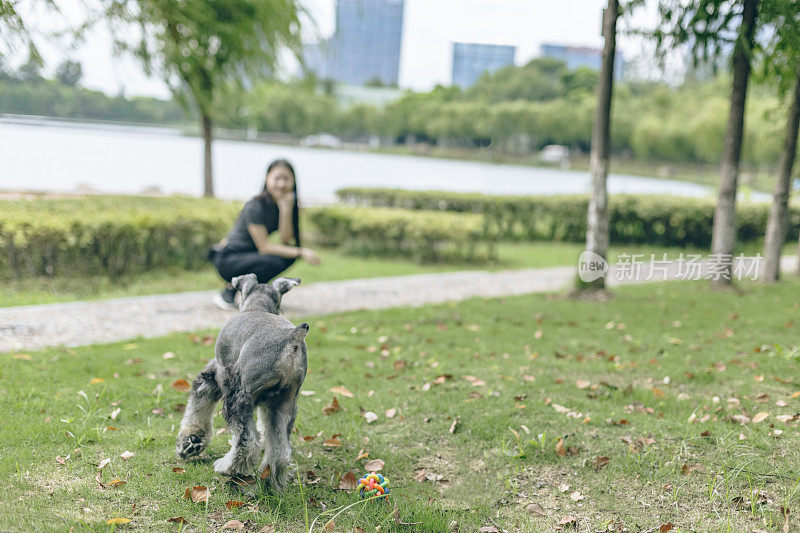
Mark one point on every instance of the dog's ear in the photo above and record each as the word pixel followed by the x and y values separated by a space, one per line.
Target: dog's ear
pixel 299 333
pixel 244 283
pixel 284 285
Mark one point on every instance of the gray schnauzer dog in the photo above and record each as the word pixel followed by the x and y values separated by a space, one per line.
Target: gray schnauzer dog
pixel 259 365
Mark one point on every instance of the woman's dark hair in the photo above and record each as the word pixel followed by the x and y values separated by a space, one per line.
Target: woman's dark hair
pixel 267 198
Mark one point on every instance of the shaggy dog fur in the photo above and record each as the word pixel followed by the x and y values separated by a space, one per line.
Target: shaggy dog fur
pixel 259 365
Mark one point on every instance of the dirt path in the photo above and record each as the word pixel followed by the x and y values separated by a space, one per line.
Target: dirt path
pixel 79 323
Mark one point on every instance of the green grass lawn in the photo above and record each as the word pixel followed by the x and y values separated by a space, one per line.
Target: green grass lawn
pixel 627 414
pixel 336 266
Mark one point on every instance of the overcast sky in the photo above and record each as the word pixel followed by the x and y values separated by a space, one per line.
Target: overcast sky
pixel 429 29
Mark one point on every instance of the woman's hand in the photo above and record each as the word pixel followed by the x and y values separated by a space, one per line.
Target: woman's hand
pixel 286 202
pixel 308 255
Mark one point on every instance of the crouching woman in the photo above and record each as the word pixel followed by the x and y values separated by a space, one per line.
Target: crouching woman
pixel 249 247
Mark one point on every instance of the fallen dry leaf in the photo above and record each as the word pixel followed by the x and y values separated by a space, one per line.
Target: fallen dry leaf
pixel 391 412
pixel 362 454
pixel 181 385
pixel 126 455
pixel 329 525
pixel 334 407
pixel 168 355
pixel 454 425
pixel 370 417
pixel 348 482
pixel 343 391
pixel 60 460
pixel 177 520
pixel 420 476
pixel 375 465
pixel 568 521
pixel 117 521
pixel 178 469
pixel 576 496
pixel 489 529
pixel 669 526
pixel 95 381
pixel 242 481
pixel 233 524
pixel 600 462
pixel 306 393
pixel 233 504
pixel 265 473
pixel 268 529
pixel 582 384
pixel 116 483
pixel 332 442
pixel 561 451
pixel 535 508
pixel 197 494
pixel 563 487
pixel 760 417
pixel 104 463
pixel 742 419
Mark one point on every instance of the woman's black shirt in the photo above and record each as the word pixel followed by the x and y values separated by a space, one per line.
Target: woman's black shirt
pixel 256 211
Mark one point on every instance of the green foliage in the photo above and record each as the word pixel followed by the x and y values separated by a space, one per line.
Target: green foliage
pixel 653 220
pixel 51 98
pixel 423 236
pixel 13 31
pixel 203 46
pixel 69 73
pixel 542 78
pixel 108 235
pixel 780 60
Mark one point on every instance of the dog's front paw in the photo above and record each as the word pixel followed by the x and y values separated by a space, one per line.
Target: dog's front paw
pixel 190 445
pixel 283 475
pixel 224 466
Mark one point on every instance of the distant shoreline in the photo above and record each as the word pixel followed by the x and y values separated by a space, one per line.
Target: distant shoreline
pixel 688 173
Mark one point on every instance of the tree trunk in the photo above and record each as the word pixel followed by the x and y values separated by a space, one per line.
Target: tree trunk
pixel 208 176
pixel 597 216
pixel 723 237
pixel 778 223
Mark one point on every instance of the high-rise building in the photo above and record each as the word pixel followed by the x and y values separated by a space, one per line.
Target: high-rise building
pixel 365 47
pixel 470 60
pixel 583 56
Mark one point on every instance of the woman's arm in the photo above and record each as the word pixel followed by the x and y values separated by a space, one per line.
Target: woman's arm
pixel 261 240
pixel 285 226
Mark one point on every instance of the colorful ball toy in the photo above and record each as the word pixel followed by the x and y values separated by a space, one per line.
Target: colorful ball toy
pixel 373 485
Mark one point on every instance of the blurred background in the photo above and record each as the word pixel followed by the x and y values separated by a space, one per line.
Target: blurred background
pixel 436 133
pixel 502 82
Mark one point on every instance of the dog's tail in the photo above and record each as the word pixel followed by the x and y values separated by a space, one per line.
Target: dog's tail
pixel 205 384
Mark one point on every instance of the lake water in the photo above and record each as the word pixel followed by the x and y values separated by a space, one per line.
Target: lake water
pixel 62 157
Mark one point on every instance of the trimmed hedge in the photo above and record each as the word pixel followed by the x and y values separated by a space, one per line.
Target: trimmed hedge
pixel 644 219
pixel 119 235
pixel 423 236
pixel 112 235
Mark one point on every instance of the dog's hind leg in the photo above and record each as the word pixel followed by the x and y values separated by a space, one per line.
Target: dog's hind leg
pixel 196 426
pixel 237 408
pixel 278 451
pixel 263 422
